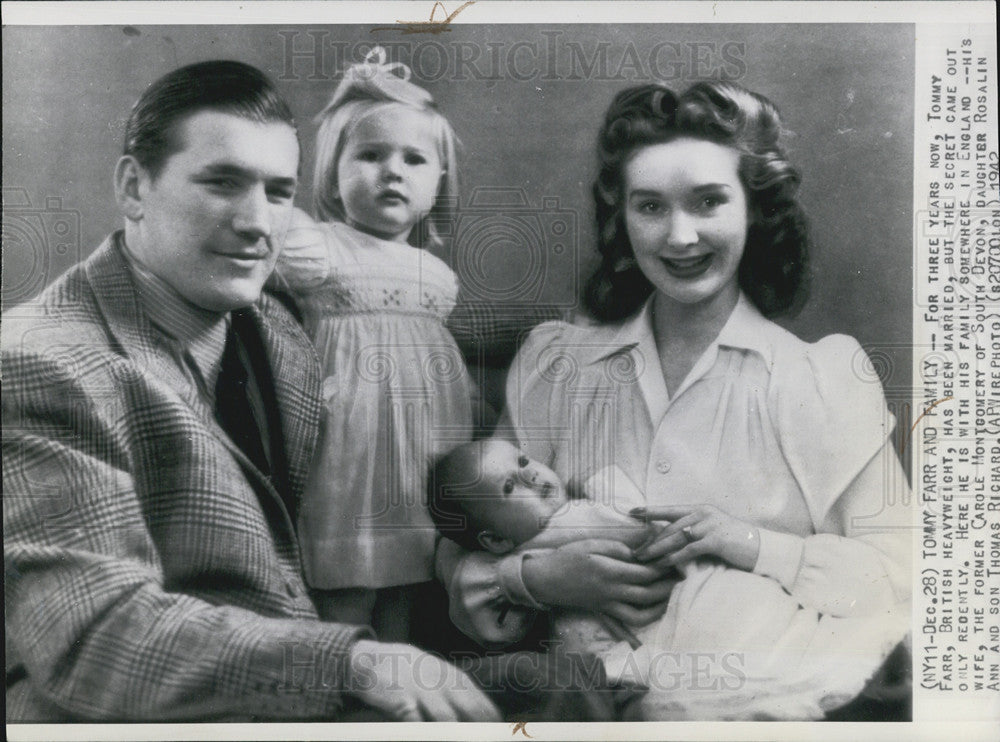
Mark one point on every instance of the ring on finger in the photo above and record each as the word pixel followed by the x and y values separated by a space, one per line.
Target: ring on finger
pixel 688 535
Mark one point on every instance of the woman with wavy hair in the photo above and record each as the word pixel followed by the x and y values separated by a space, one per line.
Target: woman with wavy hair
pixel 767 458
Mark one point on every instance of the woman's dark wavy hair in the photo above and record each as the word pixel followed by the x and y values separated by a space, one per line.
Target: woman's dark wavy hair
pixel 773 270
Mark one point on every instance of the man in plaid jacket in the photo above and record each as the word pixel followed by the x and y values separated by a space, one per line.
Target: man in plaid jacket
pixel 152 570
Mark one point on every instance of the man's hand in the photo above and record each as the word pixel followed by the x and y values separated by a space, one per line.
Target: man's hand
pixel 598 575
pixel 410 685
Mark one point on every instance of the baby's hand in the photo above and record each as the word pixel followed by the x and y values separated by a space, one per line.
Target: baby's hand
pixel 699 530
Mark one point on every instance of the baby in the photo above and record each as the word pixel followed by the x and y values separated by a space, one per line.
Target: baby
pixel 767 658
pixel 487 495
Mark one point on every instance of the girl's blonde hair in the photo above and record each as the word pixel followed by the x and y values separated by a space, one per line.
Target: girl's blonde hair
pixel 365 89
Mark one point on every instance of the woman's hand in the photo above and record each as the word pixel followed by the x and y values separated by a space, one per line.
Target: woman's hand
pixel 598 575
pixel 698 530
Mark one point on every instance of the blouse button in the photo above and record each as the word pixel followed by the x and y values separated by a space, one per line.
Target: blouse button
pixel 663 466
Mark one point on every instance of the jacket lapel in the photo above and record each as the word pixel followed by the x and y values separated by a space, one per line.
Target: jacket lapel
pixel 293 363
pixel 295 369
pixel 110 278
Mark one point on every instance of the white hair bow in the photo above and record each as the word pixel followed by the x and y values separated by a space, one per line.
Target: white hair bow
pixel 375 65
pixel 377 79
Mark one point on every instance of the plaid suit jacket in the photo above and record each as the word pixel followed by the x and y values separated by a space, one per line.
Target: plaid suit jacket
pixel 147 577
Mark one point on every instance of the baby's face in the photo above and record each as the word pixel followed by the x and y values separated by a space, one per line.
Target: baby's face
pixel 516 495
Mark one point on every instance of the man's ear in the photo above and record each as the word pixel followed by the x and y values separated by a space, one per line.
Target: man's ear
pixel 128 176
pixel 493 543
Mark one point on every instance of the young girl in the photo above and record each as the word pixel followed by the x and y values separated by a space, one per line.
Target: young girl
pixel 395 390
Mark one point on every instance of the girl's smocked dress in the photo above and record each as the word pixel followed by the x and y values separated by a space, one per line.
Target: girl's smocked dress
pixel 395 393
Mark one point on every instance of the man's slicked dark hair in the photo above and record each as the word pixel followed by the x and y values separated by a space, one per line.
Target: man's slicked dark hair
pixel 221 85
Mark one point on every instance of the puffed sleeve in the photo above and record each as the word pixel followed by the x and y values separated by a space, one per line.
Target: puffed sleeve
pixel 488 600
pixel 834 428
pixel 305 258
pixel 536 388
pixel 477 602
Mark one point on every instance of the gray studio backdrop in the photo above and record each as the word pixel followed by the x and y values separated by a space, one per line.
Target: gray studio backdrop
pixel 526 102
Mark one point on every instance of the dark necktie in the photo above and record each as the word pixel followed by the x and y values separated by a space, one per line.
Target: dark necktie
pixel 233 409
pixel 245 386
